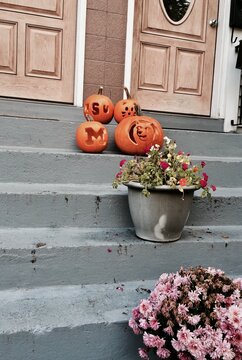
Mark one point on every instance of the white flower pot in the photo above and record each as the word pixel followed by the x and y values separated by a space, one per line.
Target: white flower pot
pixel 162 215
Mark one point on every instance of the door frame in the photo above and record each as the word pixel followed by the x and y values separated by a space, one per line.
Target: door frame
pixel 80 52
pixel 225 92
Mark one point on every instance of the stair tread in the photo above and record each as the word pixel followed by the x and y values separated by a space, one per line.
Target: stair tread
pixel 29 238
pixel 87 188
pixel 38 310
pixel 113 154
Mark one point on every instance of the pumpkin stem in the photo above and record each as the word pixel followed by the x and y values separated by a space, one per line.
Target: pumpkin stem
pixel 127 92
pixel 89 117
pixel 100 91
pixel 138 110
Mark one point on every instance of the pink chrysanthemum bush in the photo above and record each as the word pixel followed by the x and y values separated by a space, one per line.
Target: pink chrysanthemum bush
pixel 192 314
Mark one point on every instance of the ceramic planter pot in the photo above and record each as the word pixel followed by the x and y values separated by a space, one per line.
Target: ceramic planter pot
pixel 162 215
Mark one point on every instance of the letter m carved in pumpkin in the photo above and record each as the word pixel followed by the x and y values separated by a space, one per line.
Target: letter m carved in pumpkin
pixel 92 134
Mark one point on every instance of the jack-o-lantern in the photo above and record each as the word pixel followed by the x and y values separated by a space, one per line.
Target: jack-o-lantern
pixel 135 134
pixel 99 107
pixel 92 136
pixel 124 108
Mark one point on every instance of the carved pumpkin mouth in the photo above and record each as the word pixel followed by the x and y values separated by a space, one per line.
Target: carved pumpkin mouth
pixel 142 137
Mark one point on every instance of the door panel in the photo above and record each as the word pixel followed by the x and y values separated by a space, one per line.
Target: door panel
pixel 37 54
pixel 52 8
pixel 8 53
pixel 172 67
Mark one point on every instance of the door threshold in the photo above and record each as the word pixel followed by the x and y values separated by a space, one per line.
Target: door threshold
pixel 32 109
pixel 187 121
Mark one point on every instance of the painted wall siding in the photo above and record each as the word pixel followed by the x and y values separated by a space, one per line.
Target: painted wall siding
pixel 105 47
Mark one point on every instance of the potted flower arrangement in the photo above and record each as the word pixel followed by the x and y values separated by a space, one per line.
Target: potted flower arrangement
pixel 192 314
pixel 160 190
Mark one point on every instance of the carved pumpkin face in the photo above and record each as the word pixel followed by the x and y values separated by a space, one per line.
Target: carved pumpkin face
pixel 99 107
pixel 125 108
pixel 135 134
pixel 92 136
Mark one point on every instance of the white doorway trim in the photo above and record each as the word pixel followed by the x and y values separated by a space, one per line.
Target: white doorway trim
pixel 129 44
pixel 226 83
pixel 80 51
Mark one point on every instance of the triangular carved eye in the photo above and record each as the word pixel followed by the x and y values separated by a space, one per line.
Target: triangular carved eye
pixel 176 10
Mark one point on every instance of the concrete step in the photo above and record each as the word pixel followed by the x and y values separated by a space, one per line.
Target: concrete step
pixel 58 131
pixel 71 205
pixel 55 166
pixel 70 322
pixel 31 257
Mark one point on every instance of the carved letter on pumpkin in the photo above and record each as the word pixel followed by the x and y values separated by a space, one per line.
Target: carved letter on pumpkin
pixel 95 108
pixel 91 133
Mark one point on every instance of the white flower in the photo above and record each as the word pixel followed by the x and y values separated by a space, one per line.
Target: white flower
pixel 167 140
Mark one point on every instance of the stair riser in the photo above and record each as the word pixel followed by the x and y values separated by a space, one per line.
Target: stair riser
pixel 58 168
pixel 78 168
pixel 113 341
pixel 116 262
pixel 59 210
pixel 60 134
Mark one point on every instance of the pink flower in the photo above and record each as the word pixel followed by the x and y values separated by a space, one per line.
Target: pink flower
pixel 203 183
pixel 136 313
pixel 238 282
pixel 163 353
pixel 151 340
pixel 169 330
pixel 154 323
pixel 184 335
pixel 180 152
pixel 194 320
pixel 203 164
pixel 184 166
pixel 194 296
pixel 182 309
pixel 134 326
pixel 143 324
pixel 213 187
pixel 143 353
pixel 164 165
pixel 235 316
pixel 122 162
pixel 145 308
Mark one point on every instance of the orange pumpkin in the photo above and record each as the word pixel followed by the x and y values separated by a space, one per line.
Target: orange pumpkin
pixel 99 107
pixel 92 136
pixel 135 134
pixel 124 108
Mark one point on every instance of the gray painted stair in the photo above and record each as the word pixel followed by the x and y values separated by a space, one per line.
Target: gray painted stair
pixel 55 166
pixel 60 134
pixel 71 265
pixel 75 256
pixel 70 322
pixel 61 205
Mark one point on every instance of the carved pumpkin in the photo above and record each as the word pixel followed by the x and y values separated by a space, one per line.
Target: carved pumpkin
pixel 92 136
pixel 135 134
pixel 124 108
pixel 99 107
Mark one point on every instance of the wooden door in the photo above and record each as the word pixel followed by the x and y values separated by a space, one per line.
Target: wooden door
pixel 173 58
pixel 37 49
